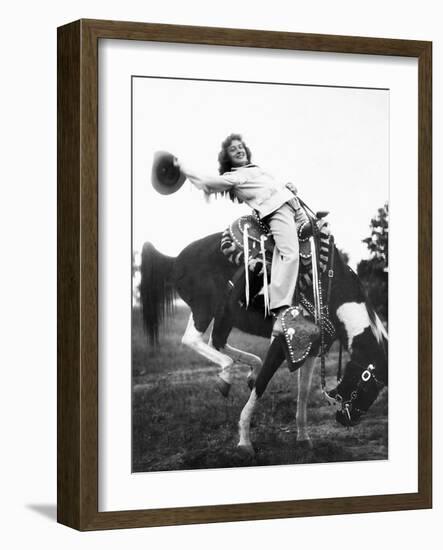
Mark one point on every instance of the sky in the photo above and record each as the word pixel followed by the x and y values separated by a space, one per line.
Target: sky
pixel 333 143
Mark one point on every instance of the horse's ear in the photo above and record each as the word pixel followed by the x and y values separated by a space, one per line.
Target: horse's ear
pixel 166 177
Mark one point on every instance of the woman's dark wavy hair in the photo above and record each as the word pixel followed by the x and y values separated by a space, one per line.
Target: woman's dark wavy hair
pixel 224 162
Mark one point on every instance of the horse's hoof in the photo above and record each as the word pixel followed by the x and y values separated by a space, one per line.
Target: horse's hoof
pixel 305 444
pixel 246 449
pixel 222 386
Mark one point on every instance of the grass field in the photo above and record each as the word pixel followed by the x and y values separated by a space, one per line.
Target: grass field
pixel 181 422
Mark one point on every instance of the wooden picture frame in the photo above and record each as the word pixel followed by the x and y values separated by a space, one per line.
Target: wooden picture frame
pixel 78 273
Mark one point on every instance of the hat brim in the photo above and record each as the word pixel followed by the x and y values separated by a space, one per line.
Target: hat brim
pixel 166 178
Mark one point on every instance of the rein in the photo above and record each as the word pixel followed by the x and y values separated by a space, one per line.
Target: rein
pixel 322 319
pixel 328 299
pixel 321 312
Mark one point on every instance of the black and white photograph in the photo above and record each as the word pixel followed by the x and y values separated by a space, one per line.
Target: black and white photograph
pixel 222 274
pixel 260 233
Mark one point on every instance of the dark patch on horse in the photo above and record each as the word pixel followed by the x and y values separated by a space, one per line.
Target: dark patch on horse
pixel 276 356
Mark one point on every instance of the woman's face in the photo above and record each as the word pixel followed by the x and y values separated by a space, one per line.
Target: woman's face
pixel 237 153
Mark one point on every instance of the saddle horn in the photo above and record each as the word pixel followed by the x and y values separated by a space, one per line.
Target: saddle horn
pixel 166 178
pixel 321 214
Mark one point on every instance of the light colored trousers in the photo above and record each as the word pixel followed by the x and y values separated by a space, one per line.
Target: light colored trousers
pixel 284 224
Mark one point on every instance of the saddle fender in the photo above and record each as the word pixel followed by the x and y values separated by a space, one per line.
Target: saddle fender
pixel 300 335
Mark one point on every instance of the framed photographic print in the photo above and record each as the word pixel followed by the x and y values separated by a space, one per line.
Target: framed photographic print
pixel 244 269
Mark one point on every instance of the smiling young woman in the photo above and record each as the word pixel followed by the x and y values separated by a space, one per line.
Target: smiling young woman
pixel 274 203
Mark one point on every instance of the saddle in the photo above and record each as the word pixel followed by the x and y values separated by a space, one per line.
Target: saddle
pixel 251 234
pixel 248 242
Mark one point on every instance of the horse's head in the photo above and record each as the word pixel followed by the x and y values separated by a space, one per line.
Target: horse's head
pixel 367 342
pixel 355 393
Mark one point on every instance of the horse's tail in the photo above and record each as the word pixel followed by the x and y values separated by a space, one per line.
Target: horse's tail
pixel 156 289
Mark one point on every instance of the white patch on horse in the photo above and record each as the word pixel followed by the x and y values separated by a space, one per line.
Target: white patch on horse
pixel 245 420
pixel 355 318
pixel 304 390
pixel 238 355
pixel 193 339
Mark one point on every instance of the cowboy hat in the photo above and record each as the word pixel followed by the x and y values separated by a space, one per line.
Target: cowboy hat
pixel 166 178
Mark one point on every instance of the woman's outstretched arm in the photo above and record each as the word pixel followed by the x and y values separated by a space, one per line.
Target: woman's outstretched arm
pixel 208 184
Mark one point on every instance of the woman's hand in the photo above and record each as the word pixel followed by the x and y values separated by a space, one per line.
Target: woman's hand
pixel 291 186
pixel 178 163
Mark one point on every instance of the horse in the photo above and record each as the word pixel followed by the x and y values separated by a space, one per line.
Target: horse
pixel 202 275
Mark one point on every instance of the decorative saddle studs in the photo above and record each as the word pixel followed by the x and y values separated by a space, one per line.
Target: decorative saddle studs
pixel 250 233
pixel 300 334
pixel 248 242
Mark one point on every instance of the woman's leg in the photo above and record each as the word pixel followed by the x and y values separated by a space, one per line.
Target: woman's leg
pixel 285 261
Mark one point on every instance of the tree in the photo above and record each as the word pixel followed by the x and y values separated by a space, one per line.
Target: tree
pixel 344 256
pixel 373 272
pixel 377 243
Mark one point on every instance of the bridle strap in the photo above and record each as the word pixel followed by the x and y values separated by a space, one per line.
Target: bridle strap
pixel 330 268
pixel 339 368
pixel 331 274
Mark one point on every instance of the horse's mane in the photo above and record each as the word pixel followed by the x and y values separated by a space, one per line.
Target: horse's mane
pixel 376 324
pixel 377 327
